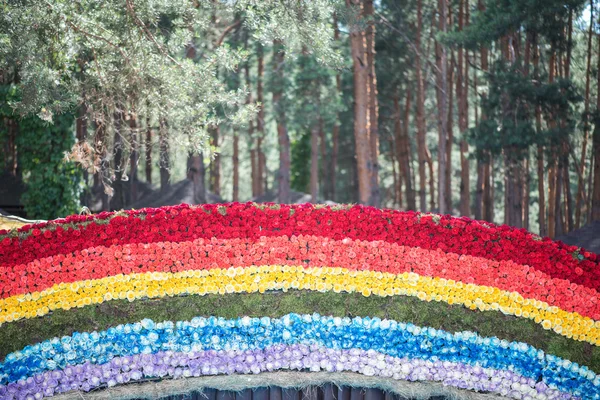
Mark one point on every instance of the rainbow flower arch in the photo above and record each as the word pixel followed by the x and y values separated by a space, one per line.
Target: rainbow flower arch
pixel 193 292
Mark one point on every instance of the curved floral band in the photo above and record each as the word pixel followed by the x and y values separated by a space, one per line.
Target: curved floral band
pixel 314 358
pixel 310 251
pixel 183 223
pixel 260 279
pixel 389 338
pixel 245 248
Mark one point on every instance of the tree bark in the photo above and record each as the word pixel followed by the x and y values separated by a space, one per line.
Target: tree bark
pixel 420 98
pixel 595 214
pixel 411 202
pixel 526 194
pixel 397 180
pixel 488 198
pixel 402 148
pixel 164 158
pixel 552 218
pixel 196 173
pixel 373 119
pixel 450 124
pixel 261 160
pixel 586 122
pixel 462 91
pixel 324 172
pixel 336 126
pixel 540 148
pixel 361 110
pixel 514 190
pixel 235 195
pixel 595 197
pixel 215 165
pixel 81 127
pixel 148 147
pixel 314 163
pixel 568 197
pixel 254 142
pixel 478 206
pixel 101 179
pixel 117 201
pixel 284 193
pixel 432 196
pixel 133 157
pixel 442 101
pixel 450 136
pixel 513 210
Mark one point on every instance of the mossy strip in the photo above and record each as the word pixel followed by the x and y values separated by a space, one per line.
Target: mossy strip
pixel 16 335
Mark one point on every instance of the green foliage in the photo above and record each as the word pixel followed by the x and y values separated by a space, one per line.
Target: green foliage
pixel 300 166
pixel 53 185
pixel 545 19
pixel 117 53
pixel 510 107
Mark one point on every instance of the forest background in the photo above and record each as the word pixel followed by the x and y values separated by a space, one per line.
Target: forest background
pixel 488 109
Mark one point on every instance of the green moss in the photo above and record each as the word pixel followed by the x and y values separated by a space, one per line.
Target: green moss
pixel 16 335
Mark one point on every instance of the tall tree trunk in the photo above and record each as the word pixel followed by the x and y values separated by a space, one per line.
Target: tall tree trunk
pixel 81 124
pixel 450 137
pixel 81 127
pixel 411 202
pixel 526 167
pixel 148 147
pixel 402 148
pixel 478 206
pixel 397 179
pixel 595 214
pixel 254 142
pixel 540 149
pixel 432 196
pixel 284 193
pixel 488 198
pixel 569 197
pixel 373 123
pixel 197 174
pixel 420 98
pixel 450 123
pixel 164 158
pixel 336 126
pixel 117 202
pixel 324 172
pixel 261 160
pixel 595 197
pixel 235 159
pixel 526 194
pixel 101 178
pixel 541 190
pixel 215 165
pixel 314 163
pixel 513 163
pixel 442 101
pixel 552 170
pixel 462 92
pixel 586 123
pixel 568 203
pixel 361 110
pixel 514 191
pixel 133 157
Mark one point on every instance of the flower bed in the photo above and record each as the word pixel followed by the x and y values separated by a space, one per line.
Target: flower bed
pixel 243 248
pixel 209 346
